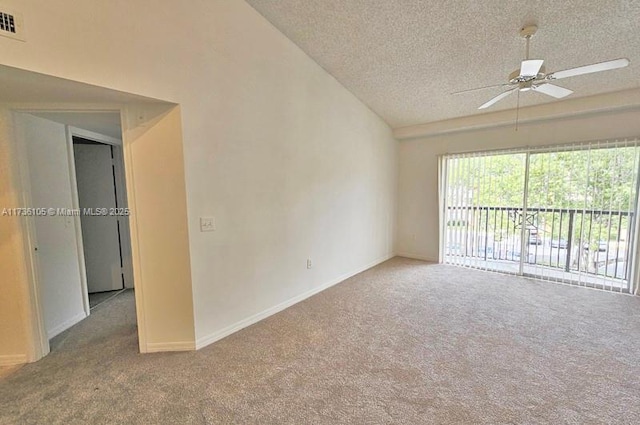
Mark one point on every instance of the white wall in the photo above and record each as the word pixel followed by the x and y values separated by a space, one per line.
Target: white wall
pixel 57 258
pixel 289 162
pixel 418 235
pixel 155 175
pixel 16 328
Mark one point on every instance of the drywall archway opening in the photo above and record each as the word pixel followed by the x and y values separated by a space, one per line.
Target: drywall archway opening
pixel 156 193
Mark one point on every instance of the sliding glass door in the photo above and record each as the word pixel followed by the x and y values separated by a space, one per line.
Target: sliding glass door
pixel 564 214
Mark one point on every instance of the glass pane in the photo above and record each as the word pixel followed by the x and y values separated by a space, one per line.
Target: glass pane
pixel 582 203
pixel 484 199
pixel 579 219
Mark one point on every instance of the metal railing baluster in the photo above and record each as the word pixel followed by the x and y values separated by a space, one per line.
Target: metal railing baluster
pixel 504 237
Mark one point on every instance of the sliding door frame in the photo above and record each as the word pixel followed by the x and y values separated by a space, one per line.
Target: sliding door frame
pixel 633 256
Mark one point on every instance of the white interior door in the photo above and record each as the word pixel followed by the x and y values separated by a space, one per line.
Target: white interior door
pixel 49 188
pixel 100 233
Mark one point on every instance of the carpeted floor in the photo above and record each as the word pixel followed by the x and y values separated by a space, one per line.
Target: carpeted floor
pixel 405 343
pixel 98 298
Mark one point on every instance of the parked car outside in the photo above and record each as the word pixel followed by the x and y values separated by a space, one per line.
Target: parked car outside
pixel 559 243
pixel 535 239
pixel 602 246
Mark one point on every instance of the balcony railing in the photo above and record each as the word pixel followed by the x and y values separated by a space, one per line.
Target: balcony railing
pixel 595 242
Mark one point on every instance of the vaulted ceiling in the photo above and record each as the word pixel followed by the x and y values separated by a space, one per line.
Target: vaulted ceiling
pixel 404 58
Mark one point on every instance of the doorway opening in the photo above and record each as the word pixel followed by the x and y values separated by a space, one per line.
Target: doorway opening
pixel 565 214
pixel 102 201
pixel 152 139
pixel 75 183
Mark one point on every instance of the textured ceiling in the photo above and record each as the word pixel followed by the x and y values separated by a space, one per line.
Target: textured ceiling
pixel 403 58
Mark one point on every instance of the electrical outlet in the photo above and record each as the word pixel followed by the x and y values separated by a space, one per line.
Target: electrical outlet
pixel 309 263
pixel 207 224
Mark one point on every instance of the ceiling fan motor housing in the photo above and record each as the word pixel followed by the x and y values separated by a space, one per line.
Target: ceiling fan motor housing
pixel 516 78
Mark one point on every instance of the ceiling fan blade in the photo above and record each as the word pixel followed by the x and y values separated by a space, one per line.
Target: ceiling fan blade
pixel 553 90
pixel 482 88
pixel 588 69
pixel 531 67
pixel 497 98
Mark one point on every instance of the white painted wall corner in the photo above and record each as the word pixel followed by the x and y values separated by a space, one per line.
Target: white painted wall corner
pixel 417 257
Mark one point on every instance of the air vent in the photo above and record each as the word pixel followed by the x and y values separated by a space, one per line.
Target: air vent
pixel 11 24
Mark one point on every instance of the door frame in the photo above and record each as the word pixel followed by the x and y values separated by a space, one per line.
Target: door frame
pixel 39 340
pixel 72 132
pixel 633 257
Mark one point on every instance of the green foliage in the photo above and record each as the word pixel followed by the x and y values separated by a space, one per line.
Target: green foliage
pixel 495 180
pixel 601 179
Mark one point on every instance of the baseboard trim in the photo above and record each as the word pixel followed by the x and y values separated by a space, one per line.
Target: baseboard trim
pixel 13 359
pixel 418 257
pixel 161 347
pixel 218 335
pixel 66 325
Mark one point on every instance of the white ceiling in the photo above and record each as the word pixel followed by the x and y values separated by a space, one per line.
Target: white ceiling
pixel 106 123
pixel 21 87
pixel 404 58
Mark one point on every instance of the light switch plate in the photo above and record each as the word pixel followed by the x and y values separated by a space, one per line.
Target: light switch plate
pixel 207 224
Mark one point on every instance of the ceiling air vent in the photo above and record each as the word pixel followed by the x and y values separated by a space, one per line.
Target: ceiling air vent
pixel 11 24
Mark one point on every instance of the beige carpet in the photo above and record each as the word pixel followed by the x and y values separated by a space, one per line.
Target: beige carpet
pixel 404 343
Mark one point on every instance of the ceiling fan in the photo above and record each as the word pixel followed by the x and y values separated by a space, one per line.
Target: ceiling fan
pixel 532 76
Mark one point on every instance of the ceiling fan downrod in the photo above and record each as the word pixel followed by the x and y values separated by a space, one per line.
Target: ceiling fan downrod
pixel 526 33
